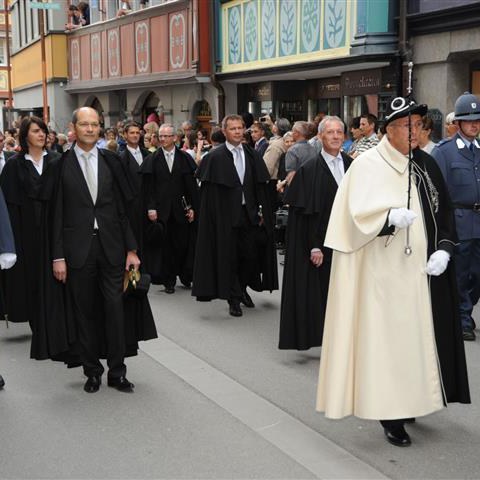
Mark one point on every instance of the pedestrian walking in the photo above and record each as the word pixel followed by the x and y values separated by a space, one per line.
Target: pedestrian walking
pixel 307 261
pixel 235 246
pixel 392 346
pixel 93 246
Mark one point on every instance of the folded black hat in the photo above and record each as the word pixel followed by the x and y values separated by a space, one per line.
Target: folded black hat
pixel 401 107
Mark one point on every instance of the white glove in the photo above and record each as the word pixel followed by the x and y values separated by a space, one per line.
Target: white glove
pixel 437 263
pixel 401 217
pixel 7 260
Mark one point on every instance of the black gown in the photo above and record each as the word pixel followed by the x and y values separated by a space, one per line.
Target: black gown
pixel 220 202
pixel 441 233
pixel 310 198
pixel 31 292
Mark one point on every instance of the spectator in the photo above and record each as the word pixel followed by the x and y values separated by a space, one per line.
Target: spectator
pixel 147 142
pixel 84 10
pixel 111 145
pixel 217 137
pixel 258 132
pixel 368 127
pixel 424 140
pixel 10 145
pixel 70 140
pixel 73 18
pixel 356 134
pixel 299 153
pixel 62 140
pixel 125 8
pixel 451 126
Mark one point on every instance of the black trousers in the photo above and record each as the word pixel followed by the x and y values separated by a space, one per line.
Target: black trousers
pixel 84 285
pixel 175 253
pixel 244 256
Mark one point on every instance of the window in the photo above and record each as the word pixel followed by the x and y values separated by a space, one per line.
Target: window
pixel 3 51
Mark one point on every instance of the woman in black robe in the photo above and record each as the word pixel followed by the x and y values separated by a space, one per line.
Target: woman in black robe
pixel 31 292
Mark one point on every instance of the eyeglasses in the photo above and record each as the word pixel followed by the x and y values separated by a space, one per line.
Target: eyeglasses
pixel 413 125
pixel 163 136
pixel 88 124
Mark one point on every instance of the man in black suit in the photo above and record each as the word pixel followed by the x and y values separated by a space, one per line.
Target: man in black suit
pixel 93 244
pixel 235 246
pixel 170 197
pixel 134 156
pixel 306 275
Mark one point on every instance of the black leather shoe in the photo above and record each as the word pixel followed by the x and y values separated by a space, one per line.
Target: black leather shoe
pixel 398 437
pixel 469 334
pixel 2 382
pixel 121 383
pixel 246 300
pixel 169 289
pixel 92 384
pixel 235 310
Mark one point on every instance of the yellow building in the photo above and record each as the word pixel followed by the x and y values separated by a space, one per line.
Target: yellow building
pixel 26 61
pixel 4 34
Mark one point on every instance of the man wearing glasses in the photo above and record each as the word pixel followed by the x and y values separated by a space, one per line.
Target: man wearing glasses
pixel 392 344
pixel 93 245
pixel 170 193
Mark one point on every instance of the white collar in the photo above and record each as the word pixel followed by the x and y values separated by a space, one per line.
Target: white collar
pixel 92 153
pixel 232 147
pixel 29 157
pixel 134 150
pixel 330 158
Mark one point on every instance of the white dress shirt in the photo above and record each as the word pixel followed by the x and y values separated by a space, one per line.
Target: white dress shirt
pixel 38 166
pixel 169 157
pixel 238 150
pixel 93 160
pixel 331 160
pixel 137 154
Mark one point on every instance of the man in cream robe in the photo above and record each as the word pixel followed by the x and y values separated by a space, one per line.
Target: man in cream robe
pixel 380 358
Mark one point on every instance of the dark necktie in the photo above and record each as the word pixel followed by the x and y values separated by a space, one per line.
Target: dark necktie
pixel 471 147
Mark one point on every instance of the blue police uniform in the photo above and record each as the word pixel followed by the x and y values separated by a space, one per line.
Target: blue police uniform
pixel 459 161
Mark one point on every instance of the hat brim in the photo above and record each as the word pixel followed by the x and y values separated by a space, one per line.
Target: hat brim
pixel 415 109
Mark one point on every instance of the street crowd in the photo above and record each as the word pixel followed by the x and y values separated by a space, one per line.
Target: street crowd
pixel 380 232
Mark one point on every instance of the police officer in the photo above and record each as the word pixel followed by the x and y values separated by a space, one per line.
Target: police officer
pixel 459 160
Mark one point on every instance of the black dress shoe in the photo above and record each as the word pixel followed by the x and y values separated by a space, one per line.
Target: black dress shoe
pixel 121 383
pixel 169 289
pixel 469 334
pixel 2 382
pixel 234 309
pixel 398 437
pixel 246 300
pixel 92 384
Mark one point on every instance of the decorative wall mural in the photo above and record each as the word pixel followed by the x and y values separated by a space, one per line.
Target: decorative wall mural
pixel 335 18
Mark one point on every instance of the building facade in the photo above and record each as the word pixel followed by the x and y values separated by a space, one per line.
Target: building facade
pixel 156 59
pixel 298 58
pixel 444 39
pixel 28 77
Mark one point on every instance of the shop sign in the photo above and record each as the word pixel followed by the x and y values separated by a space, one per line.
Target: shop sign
pixel 362 82
pixel 329 88
pixel 261 92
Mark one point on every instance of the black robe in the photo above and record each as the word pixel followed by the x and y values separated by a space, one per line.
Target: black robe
pixel 305 287
pixel 30 290
pixel 220 204
pixel 169 243
pixel 441 234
